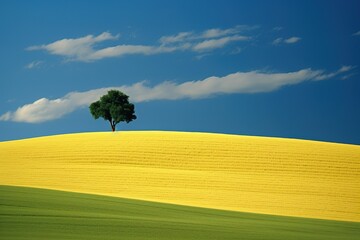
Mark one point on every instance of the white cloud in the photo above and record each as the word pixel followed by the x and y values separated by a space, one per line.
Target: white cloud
pixel 347 76
pixel 180 37
pixel 120 50
pixel 217 32
pixel 83 49
pixel 6 117
pixel 357 33
pixel 207 34
pixel 34 64
pixel 343 69
pixel 290 40
pixel 86 49
pixel 240 82
pixel 79 49
pixel 217 43
pixel 277 41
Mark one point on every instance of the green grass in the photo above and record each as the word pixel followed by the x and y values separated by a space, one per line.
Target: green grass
pixel 30 213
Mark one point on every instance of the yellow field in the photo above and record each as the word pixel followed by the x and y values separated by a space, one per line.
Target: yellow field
pixel 251 174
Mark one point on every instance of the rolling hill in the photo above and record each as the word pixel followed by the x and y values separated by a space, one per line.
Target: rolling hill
pixel 239 173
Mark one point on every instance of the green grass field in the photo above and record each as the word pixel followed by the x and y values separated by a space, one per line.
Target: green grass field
pixel 30 213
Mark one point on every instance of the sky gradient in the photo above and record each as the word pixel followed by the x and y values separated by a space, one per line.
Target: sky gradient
pixel 280 68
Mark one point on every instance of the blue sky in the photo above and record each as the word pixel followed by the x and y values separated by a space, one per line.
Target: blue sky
pixel 269 68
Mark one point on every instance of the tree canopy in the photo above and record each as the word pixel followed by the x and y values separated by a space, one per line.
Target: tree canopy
pixel 113 107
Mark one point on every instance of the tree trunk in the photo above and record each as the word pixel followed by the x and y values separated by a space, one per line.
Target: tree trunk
pixel 112 126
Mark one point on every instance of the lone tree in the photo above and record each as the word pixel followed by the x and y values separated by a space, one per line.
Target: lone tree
pixel 113 107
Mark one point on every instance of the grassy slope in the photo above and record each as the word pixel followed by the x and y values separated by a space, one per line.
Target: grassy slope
pixel 28 213
pixel 249 174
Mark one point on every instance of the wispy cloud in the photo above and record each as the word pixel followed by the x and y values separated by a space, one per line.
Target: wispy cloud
pixel 277 41
pixel 44 109
pixel 207 34
pixel 357 33
pixel 80 49
pixel 216 32
pixel 34 64
pixel 180 37
pixel 217 43
pixel 122 50
pixel 290 40
pixel 343 69
pixel 7 117
pixel 85 48
pixel 277 29
pixel 207 40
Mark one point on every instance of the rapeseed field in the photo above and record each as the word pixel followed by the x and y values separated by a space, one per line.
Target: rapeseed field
pixel 240 173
